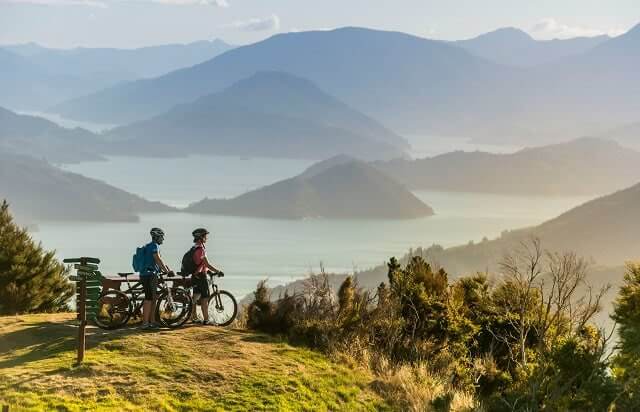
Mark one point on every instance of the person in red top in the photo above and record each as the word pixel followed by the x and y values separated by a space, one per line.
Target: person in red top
pixel 201 291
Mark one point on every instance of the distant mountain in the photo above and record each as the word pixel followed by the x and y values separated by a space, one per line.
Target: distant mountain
pixel 412 85
pixel 269 114
pixel 34 77
pixel 395 77
pixel 580 167
pixel 352 190
pixel 40 138
pixel 23 82
pixel 583 94
pixel 122 64
pixel 38 191
pixel 514 47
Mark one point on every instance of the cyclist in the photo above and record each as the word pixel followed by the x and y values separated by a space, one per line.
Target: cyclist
pixel 149 277
pixel 201 291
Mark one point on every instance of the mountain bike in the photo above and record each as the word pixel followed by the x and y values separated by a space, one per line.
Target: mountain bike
pixel 116 308
pixel 223 307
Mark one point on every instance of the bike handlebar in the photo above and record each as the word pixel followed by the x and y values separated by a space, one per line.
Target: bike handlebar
pixel 171 274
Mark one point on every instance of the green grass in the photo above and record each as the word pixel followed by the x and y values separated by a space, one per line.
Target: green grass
pixel 193 368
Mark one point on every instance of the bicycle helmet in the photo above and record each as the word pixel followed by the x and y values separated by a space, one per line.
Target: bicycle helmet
pixel 157 235
pixel 199 233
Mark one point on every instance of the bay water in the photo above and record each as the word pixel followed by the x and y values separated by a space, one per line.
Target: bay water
pixel 252 249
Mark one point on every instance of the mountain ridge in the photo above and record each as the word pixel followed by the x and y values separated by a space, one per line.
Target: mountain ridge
pixel 583 166
pixel 270 114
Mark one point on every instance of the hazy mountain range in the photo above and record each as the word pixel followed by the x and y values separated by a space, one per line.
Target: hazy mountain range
pixel 35 77
pixel 393 72
pixel 269 114
pixel 584 166
pixel 328 189
pixel 415 85
pixel 38 191
pixel 514 47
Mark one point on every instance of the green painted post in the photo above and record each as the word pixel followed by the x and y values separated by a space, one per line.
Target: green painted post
pixel 88 289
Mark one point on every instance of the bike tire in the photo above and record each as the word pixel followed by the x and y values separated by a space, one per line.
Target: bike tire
pixel 182 300
pixel 114 310
pixel 227 314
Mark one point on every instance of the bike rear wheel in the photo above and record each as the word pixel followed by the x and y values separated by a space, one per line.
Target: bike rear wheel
pixel 114 310
pixel 223 308
pixel 174 314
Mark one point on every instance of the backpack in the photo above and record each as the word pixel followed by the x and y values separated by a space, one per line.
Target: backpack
pixel 139 261
pixel 188 264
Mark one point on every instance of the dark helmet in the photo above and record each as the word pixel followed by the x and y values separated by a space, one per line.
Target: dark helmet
pixel 199 233
pixel 157 235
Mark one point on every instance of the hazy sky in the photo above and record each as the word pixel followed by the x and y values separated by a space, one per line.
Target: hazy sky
pixel 134 23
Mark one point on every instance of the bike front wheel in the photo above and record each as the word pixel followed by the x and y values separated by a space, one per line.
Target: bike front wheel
pixel 114 310
pixel 223 308
pixel 176 312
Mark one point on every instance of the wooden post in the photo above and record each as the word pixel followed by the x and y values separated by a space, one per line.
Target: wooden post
pixel 5 408
pixel 82 316
pixel 86 267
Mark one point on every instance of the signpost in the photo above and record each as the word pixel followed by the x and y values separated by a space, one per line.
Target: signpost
pixel 88 280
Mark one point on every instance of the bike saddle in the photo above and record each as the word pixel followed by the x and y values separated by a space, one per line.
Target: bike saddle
pixel 124 275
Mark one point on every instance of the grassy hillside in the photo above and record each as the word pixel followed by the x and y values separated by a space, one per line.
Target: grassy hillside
pixel 190 368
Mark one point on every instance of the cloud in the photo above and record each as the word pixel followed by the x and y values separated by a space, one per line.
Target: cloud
pixel 87 3
pixel 257 24
pixel 550 28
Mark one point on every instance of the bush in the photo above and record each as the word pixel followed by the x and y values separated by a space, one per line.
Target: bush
pixel 523 343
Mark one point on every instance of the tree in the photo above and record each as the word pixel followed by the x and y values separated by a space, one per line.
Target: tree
pixel 31 279
pixel 627 315
pixel 558 357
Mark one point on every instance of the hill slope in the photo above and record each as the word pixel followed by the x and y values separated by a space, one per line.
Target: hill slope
pixel 40 138
pixel 193 368
pixel 605 229
pixel 583 166
pixel 345 190
pixel 269 114
pixel 514 47
pixel 38 191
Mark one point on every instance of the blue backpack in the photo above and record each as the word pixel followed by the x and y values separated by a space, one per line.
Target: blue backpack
pixel 140 261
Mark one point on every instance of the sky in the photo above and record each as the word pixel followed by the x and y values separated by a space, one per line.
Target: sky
pixel 136 23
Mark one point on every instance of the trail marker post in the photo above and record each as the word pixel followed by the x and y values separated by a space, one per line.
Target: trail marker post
pixel 88 280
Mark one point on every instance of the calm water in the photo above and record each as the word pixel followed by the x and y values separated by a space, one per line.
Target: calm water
pixel 178 182
pixel 252 249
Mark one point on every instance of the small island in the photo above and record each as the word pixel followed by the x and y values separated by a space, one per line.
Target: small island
pixel 344 189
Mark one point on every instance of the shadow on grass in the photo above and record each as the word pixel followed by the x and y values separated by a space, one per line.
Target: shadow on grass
pixel 45 340
pixel 259 338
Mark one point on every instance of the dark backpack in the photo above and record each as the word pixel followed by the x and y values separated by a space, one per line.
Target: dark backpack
pixel 188 264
